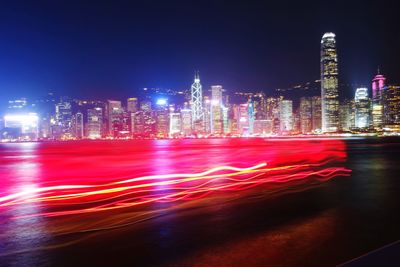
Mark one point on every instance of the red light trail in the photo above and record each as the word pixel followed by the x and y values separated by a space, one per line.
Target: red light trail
pixel 68 199
pixel 64 189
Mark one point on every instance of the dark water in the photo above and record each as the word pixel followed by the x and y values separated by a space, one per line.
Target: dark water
pixel 290 216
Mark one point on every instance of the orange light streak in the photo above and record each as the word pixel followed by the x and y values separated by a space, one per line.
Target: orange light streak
pixel 164 188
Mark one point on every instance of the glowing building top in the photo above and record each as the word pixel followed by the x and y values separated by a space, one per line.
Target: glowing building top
pixel 328 35
pixel 378 83
pixel 361 94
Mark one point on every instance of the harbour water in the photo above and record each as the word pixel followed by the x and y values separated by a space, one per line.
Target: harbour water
pixel 202 202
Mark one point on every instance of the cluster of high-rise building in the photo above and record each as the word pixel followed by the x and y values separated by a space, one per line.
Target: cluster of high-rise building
pixel 212 112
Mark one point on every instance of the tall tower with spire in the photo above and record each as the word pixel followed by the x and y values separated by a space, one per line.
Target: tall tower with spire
pixel 196 100
pixel 378 83
pixel 329 84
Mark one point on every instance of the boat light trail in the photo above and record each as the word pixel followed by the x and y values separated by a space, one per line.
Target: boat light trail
pixel 165 188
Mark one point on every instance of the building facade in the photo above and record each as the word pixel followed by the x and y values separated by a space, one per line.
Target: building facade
pixel 362 108
pixel 329 84
pixel 94 123
pixel 196 102
pixel 305 112
pixel 378 83
pixel 286 116
pixel 391 108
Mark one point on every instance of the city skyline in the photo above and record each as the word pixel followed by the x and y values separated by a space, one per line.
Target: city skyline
pixel 212 114
pixel 74 57
pixel 207 133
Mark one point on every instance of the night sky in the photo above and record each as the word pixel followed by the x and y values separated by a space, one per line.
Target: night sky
pixel 112 50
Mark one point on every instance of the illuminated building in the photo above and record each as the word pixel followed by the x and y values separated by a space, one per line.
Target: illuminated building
pixel 347 115
pixel 114 109
pixel 216 93
pixel 362 108
pixel 260 106
pixel 45 128
pixel 250 106
pixel 207 114
pixel 186 122
pixel 17 104
pixel 162 123
pixel 273 113
pixel 233 120
pixel 378 83
pixel 296 122
pixel 145 106
pixel 149 124
pixel 162 118
pixel 305 114
pixel 132 104
pixel 64 119
pixel 124 128
pixel 174 124
pixel 262 127
pixel 316 114
pixel 329 84
pixel 137 124
pixel 26 125
pixel 144 124
pixel 216 110
pixel 243 119
pixel 162 102
pixel 286 116
pixel 78 125
pixel 94 123
pixel 225 120
pixel 196 103
pixel 391 107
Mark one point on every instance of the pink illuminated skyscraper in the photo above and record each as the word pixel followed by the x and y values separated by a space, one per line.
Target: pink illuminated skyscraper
pixel 378 83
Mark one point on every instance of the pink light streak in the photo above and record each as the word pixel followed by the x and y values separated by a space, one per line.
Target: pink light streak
pixel 166 188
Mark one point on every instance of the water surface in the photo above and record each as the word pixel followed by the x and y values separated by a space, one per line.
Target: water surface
pixel 316 202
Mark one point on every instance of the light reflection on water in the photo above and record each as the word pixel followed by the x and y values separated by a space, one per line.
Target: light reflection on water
pixel 22 234
pixel 30 166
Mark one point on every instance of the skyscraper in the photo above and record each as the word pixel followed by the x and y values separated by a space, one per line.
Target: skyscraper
pixel 132 104
pixel 378 83
pixel 145 106
pixel 174 124
pixel 186 121
pixel 316 114
pixel 78 125
pixel 305 115
pixel 391 107
pixel 162 122
pixel 233 119
pixel 361 108
pixel 196 102
pixel 260 106
pixel 329 84
pixel 216 109
pixel 273 113
pixel 347 115
pixel 162 118
pixel 286 116
pixel 225 120
pixel 206 114
pixel 95 121
pixel 64 118
pixel 114 109
pixel 243 116
pixel 250 110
